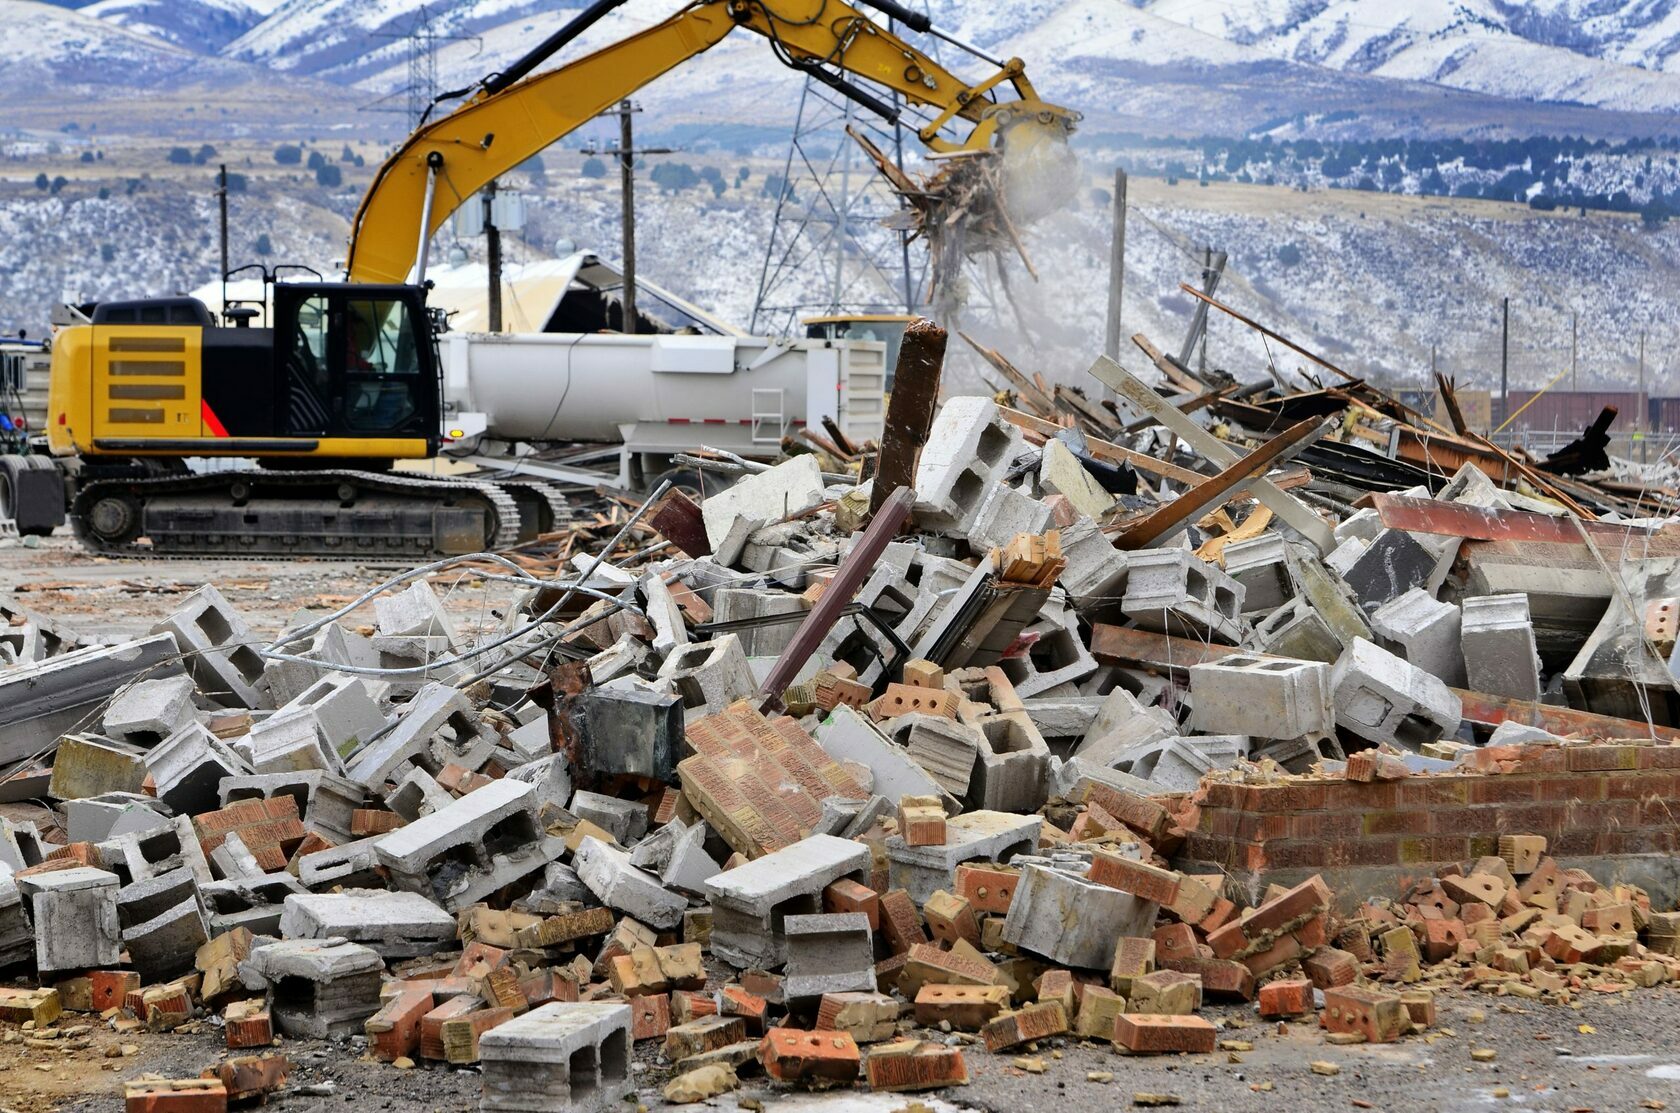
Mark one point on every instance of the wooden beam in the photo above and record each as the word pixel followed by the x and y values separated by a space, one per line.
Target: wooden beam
pixel 1104 450
pixel 1175 376
pixel 1167 520
pixel 1024 386
pixel 921 358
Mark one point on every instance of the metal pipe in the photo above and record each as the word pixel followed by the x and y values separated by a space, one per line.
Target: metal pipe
pixel 434 163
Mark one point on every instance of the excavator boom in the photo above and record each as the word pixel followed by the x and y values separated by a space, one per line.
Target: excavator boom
pixel 516 113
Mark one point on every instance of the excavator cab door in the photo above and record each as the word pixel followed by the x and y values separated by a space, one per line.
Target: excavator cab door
pixel 355 362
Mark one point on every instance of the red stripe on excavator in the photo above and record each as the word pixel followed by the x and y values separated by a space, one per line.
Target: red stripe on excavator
pixel 211 421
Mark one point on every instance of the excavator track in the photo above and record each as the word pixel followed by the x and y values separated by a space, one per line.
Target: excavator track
pixel 340 514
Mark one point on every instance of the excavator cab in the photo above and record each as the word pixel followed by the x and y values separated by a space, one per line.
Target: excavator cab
pixel 344 373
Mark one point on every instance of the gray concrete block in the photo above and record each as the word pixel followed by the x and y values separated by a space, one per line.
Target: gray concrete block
pixel 1013 773
pixel 74 917
pixel 189 767
pixel 1381 698
pixel 969 447
pixel 552 777
pixel 1422 630
pixel 629 731
pixel 828 953
pixel 1266 697
pixel 1297 630
pixel 848 736
pixel 947 750
pixel 318 989
pixel 98 818
pixel 607 873
pixel 791 487
pixel 163 923
pixel 352 865
pixel 1096 575
pixel 625 820
pixel 146 713
pixel 751 902
pixel 1071 921
pixel 1398 561
pixel 558 1058
pixel 1171 591
pixel 433 709
pixel 708 676
pixel 414 612
pixel 973 836
pixel 345 711
pixel 1500 657
pixel 397 925
pixel 139 855
pixel 1261 566
pixel 487 839
pixel 220 651
pixel 288 741
pixel 690 866
pixel 1006 513
pixel 419 794
pixel 1057 656
pixel 17 939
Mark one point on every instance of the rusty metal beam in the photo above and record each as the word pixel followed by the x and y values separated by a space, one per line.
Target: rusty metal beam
pixel 1480 523
pixel 848 578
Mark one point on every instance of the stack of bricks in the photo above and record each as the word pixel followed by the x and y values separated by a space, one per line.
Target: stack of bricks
pixel 1608 803
pixel 740 773
pixel 270 829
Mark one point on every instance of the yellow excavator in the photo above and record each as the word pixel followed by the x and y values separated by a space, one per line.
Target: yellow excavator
pixel 344 379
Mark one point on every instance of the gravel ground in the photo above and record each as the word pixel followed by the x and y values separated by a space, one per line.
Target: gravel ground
pixel 1613 1053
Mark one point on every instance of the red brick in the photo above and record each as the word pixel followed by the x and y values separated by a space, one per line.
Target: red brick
pixel 733 1000
pixel 1305 900
pixel 650 1016
pixel 908 1065
pixel 1289 997
pixel 988 887
pixel 687 1005
pixel 251 1076
pixel 109 988
pixel 247 1024
pixel 901 924
pixel 1221 977
pixel 431 1024
pixel 1035 1022
pixel 847 895
pixel 791 1055
pixel 181 1095
pixel 394 1031
pixel 1152 1034
pixel 1379 1017
pixel 1175 941
pixel 1328 967
pixel 1140 813
pixel 1130 876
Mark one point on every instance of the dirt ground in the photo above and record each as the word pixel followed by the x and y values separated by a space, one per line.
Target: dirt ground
pixel 1615 1053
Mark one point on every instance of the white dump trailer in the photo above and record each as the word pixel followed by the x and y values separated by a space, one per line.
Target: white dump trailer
pixel 652 396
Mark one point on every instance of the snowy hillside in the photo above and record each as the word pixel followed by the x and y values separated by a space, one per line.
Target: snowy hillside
pixel 204 26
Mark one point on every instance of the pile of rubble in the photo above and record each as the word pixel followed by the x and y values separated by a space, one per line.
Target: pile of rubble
pixel 1030 735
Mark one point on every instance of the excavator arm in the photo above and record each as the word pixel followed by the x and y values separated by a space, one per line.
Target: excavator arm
pixel 515 114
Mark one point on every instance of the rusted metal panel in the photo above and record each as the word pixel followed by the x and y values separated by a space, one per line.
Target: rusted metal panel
pixel 915 397
pixel 1480 523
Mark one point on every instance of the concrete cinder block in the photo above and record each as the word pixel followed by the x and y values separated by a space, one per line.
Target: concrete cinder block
pixel 414 612
pixel 352 865
pixel 791 487
pixel 629 731
pixel 435 709
pixel 17 939
pixel 316 988
pixel 1398 561
pixel 219 650
pixel 973 836
pixel 828 953
pixel 735 604
pixel 946 749
pixel 552 778
pixel 74 917
pixel 397 925
pixel 1061 473
pixel 189 767
pixel 607 872
pixel 968 448
pixel 98 818
pixel 163 923
pixel 1381 698
pixel 563 1057
pixel 1013 773
pixel 1070 920
pixel 1500 657
pixel 326 802
pixel 625 820
pixel 346 714
pixel 751 901
pixel 487 839
pixel 1096 574
pixel 847 736
pixel 87 765
pixel 1007 513
pixel 1058 656
pixel 138 855
pixel 709 676
pixel 1261 566
pixel 1265 697
pixel 419 794
pixel 1177 763
pixel 1424 631
pixel 1171 591
pixel 146 713
pixel 288 742
pixel 1297 630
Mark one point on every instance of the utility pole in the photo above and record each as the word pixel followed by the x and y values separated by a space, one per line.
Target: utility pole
pixel 1504 360
pixel 1644 403
pixel 1116 267
pixel 627 155
pixel 222 202
pixel 1574 335
pixel 493 255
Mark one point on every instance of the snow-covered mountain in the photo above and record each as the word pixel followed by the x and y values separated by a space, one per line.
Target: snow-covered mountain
pixel 60 50
pixel 202 26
